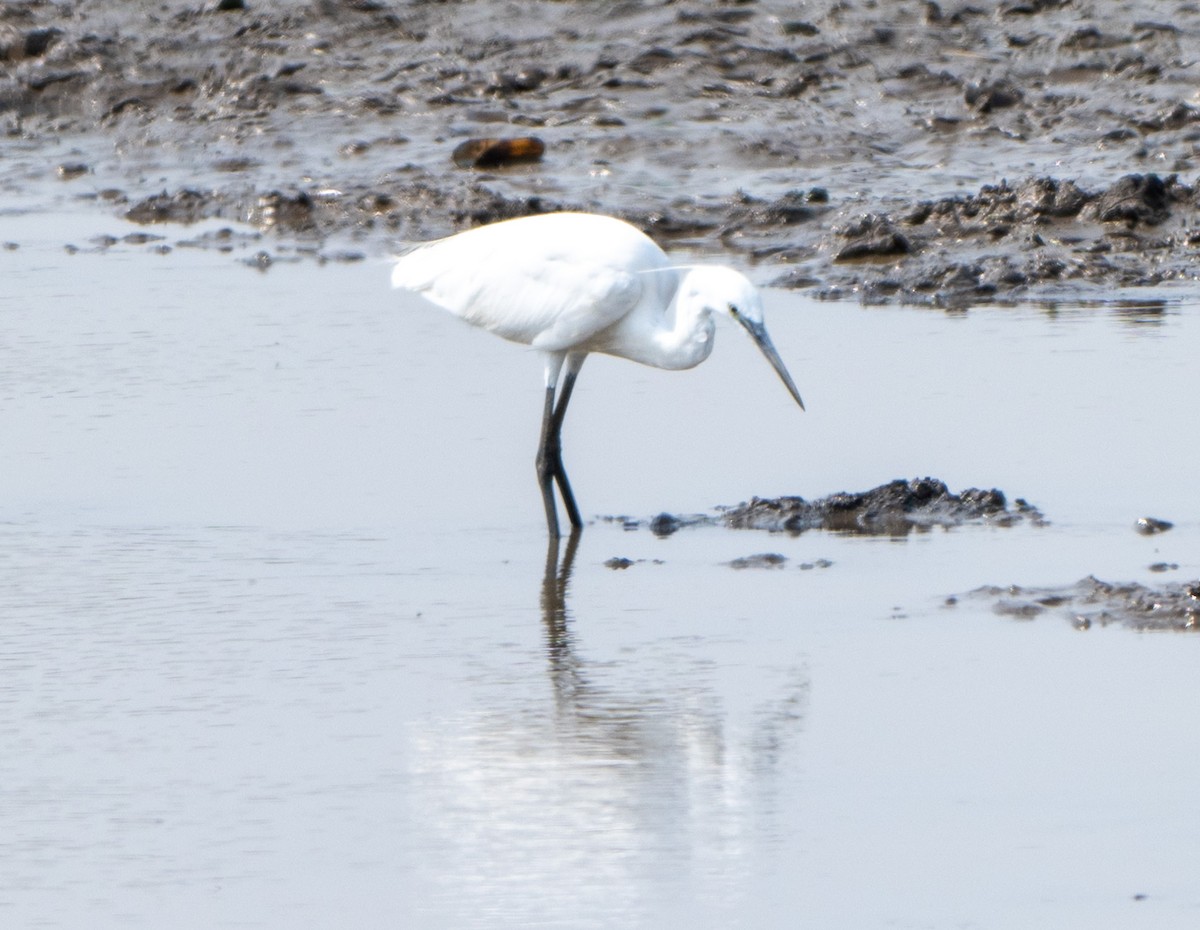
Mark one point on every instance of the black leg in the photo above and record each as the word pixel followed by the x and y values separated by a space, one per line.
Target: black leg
pixel 548 463
pixel 560 473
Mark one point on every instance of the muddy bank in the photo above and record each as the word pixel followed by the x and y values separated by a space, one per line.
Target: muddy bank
pixel 897 508
pixel 1039 237
pixel 1092 602
pixel 934 153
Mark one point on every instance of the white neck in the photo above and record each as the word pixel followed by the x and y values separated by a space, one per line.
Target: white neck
pixel 689 340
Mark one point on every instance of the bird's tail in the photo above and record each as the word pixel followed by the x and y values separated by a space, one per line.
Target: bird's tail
pixel 413 269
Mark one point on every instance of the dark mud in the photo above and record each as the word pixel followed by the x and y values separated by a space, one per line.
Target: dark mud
pixel 937 153
pixel 894 509
pixel 1092 602
pixel 1013 240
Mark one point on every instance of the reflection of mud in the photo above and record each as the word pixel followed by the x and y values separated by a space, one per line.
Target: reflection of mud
pixel 774 560
pixel 893 509
pixel 863 147
pixel 1091 601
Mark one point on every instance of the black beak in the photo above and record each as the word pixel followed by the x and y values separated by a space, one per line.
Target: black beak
pixel 758 333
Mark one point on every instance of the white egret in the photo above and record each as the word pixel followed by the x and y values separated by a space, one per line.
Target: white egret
pixel 573 283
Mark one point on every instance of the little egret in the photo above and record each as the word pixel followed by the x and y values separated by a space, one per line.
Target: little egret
pixel 573 283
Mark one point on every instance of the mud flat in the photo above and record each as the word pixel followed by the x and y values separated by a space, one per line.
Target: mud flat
pixel 1092 602
pixel 935 153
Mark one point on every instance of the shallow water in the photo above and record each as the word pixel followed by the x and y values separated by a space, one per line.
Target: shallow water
pixel 282 646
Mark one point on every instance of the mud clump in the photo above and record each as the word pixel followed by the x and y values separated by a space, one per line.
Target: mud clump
pixel 1092 602
pixel 1010 241
pixel 183 206
pixel 871 236
pixel 894 509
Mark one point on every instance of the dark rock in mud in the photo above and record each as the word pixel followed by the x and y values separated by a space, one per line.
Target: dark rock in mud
pixel 492 153
pixel 870 237
pixel 1091 602
pixel 1152 526
pixel 893 509
pixel 993 95
pixel 1136 199
pixel 666 524
pixel 34 43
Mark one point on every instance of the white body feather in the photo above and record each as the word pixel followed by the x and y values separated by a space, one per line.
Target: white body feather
pixel 571 283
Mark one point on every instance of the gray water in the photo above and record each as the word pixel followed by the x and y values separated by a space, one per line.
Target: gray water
pixel 282 646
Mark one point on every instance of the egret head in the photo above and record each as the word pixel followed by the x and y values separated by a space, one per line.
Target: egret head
pixel 724 290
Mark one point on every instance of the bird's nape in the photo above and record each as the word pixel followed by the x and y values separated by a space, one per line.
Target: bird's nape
pixel 758 333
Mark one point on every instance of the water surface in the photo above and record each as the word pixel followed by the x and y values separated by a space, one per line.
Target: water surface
pixel 283 647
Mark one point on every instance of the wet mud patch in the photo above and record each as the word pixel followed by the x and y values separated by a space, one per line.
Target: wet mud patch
pixel 857 149
pixel 1019 241
pixel 410 209
pixel 1092 602
pixel 897 508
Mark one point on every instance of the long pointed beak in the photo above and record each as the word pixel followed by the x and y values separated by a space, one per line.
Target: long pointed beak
pixel 758 333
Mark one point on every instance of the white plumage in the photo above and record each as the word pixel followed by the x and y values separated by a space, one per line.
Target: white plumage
pixel 574 283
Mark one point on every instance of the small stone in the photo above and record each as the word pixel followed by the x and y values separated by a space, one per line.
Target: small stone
pixel 493 153
pixel 664 524
pixel 1150 526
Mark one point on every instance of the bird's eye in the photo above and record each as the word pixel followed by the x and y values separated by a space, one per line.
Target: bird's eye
pixel 733 311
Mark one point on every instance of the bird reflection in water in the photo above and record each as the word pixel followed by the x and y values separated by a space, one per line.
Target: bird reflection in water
pixel 666 730
pixel 565 671
pixel 600 720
